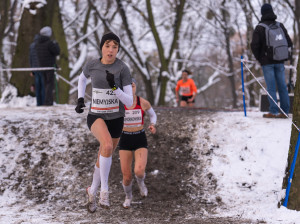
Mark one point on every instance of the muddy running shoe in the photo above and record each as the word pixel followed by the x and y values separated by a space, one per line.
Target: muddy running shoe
pixel 127 202
pixel 91 205
pixel 143 189
pixel 269 115
pixel 104 199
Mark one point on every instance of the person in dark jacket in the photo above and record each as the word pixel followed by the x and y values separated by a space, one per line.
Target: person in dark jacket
pixel 38 75
pixel 47 51
pixel 273 70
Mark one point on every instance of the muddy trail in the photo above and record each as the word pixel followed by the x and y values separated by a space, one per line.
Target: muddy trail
pixel 51 160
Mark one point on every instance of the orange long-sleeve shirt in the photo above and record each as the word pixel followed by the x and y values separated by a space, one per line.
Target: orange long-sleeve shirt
pixel 186 88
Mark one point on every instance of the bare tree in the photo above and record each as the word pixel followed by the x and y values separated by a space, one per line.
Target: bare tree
pixel 30 25
pixel 4 13
pixel 294 200
pixel 133 51
pixel 141 63
pixel 4 9
pixel 296 14
pixel 251 87
pixel 165 60
pixel 7 10
pixel 222 18
pixel 158 40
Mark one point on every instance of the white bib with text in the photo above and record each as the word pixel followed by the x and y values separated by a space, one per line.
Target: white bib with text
pixel 133 118
pixel 104 101
pixel 185 90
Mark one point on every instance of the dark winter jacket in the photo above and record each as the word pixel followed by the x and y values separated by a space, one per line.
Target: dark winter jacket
pixel 33 56
pixel 258 44
pixel 47 50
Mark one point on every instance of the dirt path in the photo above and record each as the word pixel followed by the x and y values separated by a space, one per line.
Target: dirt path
pixel 53 179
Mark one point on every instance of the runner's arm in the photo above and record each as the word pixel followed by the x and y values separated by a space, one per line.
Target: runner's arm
pixel 194 90
pixel 177 91
pixel 152 115
pixel 81 85
pixel 126 96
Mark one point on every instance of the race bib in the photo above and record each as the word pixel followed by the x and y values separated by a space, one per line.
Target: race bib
pixel 104 101
pixel 185 90
pixel 133 118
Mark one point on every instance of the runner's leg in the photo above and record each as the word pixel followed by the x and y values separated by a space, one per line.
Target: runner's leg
pixel 96 176
pixel 141 156
pixel 183 103
pixel 100 131
pixel 126 158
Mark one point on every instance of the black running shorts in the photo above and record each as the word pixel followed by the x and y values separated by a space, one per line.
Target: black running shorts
pixel 133 140
pixel 185 98
pixel 114 126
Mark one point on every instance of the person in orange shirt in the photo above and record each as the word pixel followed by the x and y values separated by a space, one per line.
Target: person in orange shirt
pixel 186 90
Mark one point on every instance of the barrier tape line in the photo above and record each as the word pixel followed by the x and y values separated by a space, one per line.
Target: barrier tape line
pixel 268 94
pixel 28 69
pixel 42 69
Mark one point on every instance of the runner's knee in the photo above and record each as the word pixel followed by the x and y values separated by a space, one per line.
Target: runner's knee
pixel 107 149
pixel 139 171
pixel 127 179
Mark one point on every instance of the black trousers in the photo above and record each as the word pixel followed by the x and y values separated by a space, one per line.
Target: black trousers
pixel 49 87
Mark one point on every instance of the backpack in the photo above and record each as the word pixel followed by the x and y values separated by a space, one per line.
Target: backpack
pixel 277 45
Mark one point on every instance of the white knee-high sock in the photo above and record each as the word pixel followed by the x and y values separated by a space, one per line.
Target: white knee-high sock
pixel 128 190
pixel 105 164
pixel 140 180
pixel 96 180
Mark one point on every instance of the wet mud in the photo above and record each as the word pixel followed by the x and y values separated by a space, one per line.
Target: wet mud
pixel 52 178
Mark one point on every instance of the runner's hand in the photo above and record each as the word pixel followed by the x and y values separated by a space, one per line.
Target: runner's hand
pixel 111 80
pixel 80 104
pixel 152 128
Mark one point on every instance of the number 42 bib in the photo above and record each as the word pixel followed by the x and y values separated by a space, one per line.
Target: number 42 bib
pixel 104 101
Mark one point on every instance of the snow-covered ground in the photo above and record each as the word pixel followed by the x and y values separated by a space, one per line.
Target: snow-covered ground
pixel 249 165
pixel 248 160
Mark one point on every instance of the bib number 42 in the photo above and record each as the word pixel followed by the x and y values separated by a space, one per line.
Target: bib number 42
pixel 110 92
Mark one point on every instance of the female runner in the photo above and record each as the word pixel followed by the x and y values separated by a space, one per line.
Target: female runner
pixel 133 144
pixel 111 89
pixel 186 90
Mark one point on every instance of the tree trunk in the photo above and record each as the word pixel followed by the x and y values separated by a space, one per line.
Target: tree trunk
pixel 162 79
pixel 141 63
pixel 162 82
pixel 253 88
pixel 231 70
pixel 49 15
pixel 63 62
pixel 294 199
pixel 29 26
pixel 229 56
pixel 149 90
pixel 4 10
pixel 297 19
